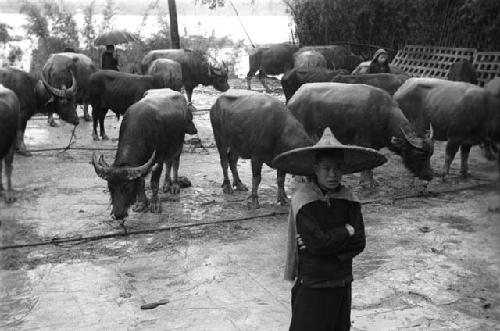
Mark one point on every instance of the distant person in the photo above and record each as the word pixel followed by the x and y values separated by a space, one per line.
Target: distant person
pixel 109 60
pixel 380 62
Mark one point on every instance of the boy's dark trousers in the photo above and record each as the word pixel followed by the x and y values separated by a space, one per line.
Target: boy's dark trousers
pixel 321 309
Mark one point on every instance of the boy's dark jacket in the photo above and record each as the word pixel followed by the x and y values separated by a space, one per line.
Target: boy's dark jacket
pixel 329 252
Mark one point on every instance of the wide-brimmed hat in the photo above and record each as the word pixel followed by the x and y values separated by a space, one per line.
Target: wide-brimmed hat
pixel 301 161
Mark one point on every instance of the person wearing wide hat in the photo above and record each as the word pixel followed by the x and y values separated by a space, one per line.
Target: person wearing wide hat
pixel 325 231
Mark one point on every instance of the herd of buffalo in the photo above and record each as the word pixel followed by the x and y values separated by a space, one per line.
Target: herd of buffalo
pixel 380 110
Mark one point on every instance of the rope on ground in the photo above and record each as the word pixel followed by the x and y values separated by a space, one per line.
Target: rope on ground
pixel 80 239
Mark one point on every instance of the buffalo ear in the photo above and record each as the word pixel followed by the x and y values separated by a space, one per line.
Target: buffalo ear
pixel 399 143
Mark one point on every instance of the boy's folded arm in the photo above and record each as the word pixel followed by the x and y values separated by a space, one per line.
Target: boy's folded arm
pixel 318 241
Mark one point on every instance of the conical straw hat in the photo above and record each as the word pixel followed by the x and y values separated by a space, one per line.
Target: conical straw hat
pixel 300 161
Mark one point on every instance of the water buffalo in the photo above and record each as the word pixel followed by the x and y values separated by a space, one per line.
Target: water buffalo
pixel 58 70
pixel 362 115
pixel 309 59
pixel 273 60
pixel 462 71
pixel 10 116
pixel 387 82
pixel 461 113
pixel 293 79
pixel 169 70
pixel 254 126
pixel 195 66
pixel 152 132
pixel 110 89
pixel 337 56
pixel 35 96
pixel 491 148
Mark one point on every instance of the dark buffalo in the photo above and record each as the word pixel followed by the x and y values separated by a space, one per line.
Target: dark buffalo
pixel 110 89
pixel 387 82
pixel 362 115
pixel 36 97
pixel 272 60
pixel 60 71
pixel 309 59
pixel 491 148
pixel 169 70
pixel 293 79
pixel 196 68
pixel 152 132
pixel 462 71
pixel 10 116
pixel 253 126
pixel 461 113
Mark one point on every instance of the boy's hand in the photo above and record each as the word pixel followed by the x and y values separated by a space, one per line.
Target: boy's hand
pixel 300 243
pixel 350 229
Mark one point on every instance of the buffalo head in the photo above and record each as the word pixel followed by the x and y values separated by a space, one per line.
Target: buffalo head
pixel 190 127
pixel 218 75
pixel 416 152
pixel 62 100
pixel 123 182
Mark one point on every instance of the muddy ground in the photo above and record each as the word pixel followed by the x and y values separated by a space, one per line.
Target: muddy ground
pixel 431 263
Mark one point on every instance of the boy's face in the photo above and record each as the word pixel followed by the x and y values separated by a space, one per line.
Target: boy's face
pixel 382 58
pixel 328 172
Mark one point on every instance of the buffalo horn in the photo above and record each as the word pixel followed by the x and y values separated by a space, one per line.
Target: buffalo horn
pixel 101 168
pixel 413 140
pixel 141 171
pixel 55 91
pixel 73 87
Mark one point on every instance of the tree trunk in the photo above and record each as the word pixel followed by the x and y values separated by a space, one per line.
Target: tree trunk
pixel 174 28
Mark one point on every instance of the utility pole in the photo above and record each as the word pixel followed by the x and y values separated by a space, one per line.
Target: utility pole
pixel 174 27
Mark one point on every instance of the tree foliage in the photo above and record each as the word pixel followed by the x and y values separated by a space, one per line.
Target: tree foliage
pixel 4 33
pixel 108 15
pixel 394 23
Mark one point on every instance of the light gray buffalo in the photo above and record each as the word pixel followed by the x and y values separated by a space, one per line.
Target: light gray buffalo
pixel 169 70
pixel 461 113
pixel 309 59
pixel 254 126
pixel 387 82
pixel 362 115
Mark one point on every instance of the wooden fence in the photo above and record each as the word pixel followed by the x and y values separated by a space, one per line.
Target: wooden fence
pixel 432 61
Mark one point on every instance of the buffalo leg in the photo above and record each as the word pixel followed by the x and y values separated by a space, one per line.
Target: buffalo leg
pixel 141 204
pixel 189 92
pixel 256 178
pixel 262 78
pixel 464 167
pixel 175 188
pixel 224 162
pixel 21 147
pixel 366 180
pixel 86 115
pixel 250 75
pixel 155 186
pixel 9 194
pixel 95 119
pixel 280 181
pixel 51 120
pixel 233 164
pixel 102 115
pixel 167 183
pixel 1 185
pixel 451 150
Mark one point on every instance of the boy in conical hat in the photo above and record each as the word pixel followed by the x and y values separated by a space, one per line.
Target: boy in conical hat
pixel 325 232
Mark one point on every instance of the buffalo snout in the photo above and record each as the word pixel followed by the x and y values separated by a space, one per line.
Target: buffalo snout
pixel 191 128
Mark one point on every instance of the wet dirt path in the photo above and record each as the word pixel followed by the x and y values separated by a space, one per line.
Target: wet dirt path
pixel 431 263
